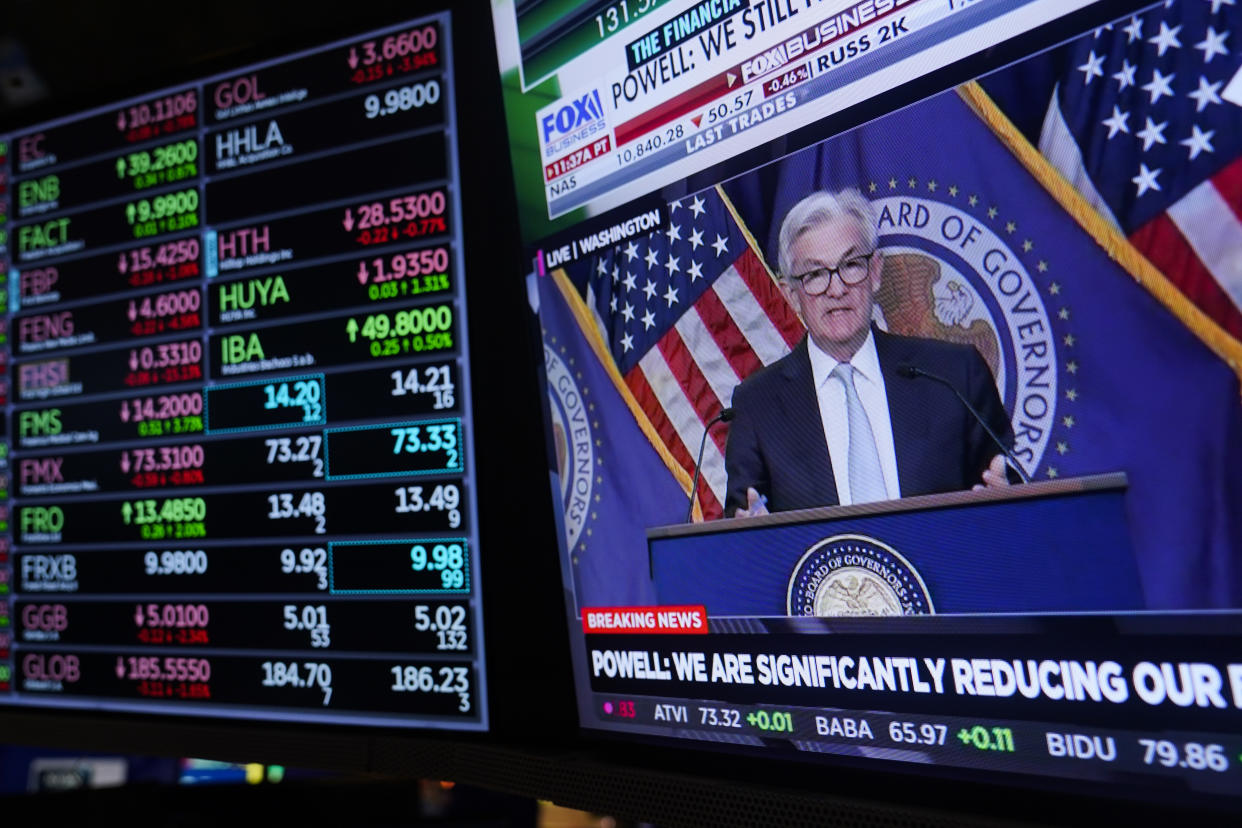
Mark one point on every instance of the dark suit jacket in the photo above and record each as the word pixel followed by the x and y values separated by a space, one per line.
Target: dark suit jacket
pixel 776 440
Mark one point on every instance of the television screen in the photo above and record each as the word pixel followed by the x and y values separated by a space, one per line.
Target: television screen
pixel 891 363
pixel 239 465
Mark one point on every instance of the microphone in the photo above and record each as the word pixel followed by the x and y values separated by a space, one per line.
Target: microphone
pixel 725 415
pixel 909 371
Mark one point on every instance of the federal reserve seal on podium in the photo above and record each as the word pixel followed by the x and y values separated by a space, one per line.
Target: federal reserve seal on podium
pixel 854 575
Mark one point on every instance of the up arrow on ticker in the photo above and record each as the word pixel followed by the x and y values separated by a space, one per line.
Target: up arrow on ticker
pixel 353 58
pixel 349 220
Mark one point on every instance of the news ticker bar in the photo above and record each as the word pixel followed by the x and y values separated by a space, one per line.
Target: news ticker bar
pixel 436 505
pixel 1095 671
pixel 286 402
pixel 301 291
pixel 299 243
pixel 359 336
pixel 428 566
pixel 394 449
pixel 317 77
pixel 1205 762
pixel 301 622
pixel 188 209
pixel 795 72
pixel 406 684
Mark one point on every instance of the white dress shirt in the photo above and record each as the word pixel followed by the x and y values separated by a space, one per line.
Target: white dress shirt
pixel 869 382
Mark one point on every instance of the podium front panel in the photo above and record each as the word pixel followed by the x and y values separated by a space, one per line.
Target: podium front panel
pixel 1067 553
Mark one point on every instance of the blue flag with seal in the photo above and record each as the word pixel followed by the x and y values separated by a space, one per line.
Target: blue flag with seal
pixel 614 480
pixel 1102 365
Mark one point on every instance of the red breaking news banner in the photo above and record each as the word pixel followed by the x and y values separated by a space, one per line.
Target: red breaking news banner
pixel 688 620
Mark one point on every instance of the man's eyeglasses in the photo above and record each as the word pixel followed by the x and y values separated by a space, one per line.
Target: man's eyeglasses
pixel 852 271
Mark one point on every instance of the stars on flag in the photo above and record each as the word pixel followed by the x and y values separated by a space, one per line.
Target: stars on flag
pixel 1118 122
pixel 1152 133
pixel 1198 142
pixel 1213 44
pixel 1159 85
pixel 1125 76
pixel 642 286
pixel 1092 69
pixel 1146 179
pixel 1171 66
pixel 1207 93
pixel 1165 39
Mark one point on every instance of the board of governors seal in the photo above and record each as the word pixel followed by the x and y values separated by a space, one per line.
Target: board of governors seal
pixel 856 575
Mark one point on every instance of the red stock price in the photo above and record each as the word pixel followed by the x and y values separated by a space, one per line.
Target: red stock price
pixel 171 113
pixel 177 311
pixel 153 264
pixel 412 216
pixel 404 52
pixel 166 362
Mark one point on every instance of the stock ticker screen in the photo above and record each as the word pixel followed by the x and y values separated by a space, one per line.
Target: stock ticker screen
pixel 238 447
pixel 907 439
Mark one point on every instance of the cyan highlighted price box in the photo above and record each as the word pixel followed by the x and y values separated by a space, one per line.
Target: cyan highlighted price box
pixel 394 449
pixel 399 567
pixel 265 404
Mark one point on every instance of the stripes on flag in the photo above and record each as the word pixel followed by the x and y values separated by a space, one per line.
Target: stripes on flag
pixel 1198 245
pixel 1139 125
pixel 1163 244
pixel 688 313
pixel 1214 233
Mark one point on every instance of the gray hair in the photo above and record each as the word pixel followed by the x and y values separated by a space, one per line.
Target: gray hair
pixel 819 207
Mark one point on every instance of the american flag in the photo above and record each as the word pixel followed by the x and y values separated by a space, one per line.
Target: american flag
pixel 1146 122
pixel 687 313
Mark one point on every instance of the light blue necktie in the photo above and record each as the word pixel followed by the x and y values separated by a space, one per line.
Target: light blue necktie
pixel 866 478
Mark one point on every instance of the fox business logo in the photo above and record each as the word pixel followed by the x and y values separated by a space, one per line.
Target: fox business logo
pixel 854 575
pixel 564 126
pixel 827 31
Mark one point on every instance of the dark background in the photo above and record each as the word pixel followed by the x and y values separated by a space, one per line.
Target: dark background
pixel 60 55
pixel 71 50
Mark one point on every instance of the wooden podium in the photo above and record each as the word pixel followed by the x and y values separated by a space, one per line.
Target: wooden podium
pixel 1056 546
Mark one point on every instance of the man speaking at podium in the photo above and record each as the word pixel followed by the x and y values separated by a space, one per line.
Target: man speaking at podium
pixel 854 414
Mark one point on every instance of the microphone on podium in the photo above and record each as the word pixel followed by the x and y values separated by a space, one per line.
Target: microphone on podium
pixel 909 371
pixel 725 415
